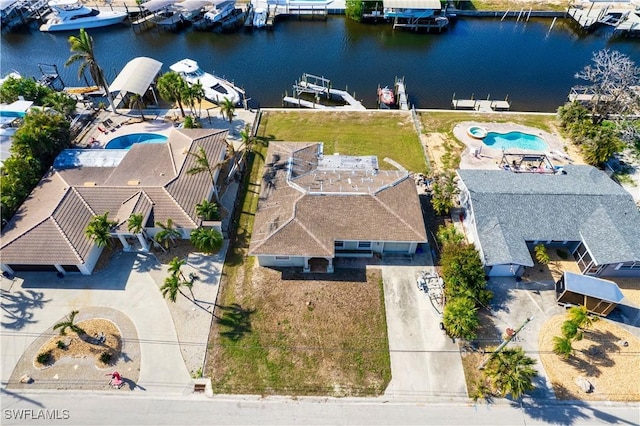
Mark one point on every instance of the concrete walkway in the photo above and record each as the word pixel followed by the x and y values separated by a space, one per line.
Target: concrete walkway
pixel 424 362
pixel 35 302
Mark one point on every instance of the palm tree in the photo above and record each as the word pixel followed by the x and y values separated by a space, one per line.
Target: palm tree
pixel 511 372
pixel 172 87
pixel 207 240
pixel 193 94
pixel 82 45
pixel 203 165
pixel 134 224
pixel 168 233
pixel 174 266
pixel 208 210
pixel 562 347
pixel 137 101
pixel 460 319
pixel 580 316
pixel 61 102
pixel 227 109
pixel 99 230
pixel 68 322
pixel 171 287
pixel 571 331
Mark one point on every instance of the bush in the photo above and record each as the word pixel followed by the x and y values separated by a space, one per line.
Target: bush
pixel 105 357
pixel 60 344
pixel 44 357
pixel 562 254
pixel 541 254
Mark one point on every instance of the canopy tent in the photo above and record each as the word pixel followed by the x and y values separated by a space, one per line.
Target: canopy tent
pixel 136 76
pixel 597 295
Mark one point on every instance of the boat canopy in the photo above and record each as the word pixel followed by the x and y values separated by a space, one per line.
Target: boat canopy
pixel 412 4
pixel 5 4
pixel 155 5
pixel 136 76
pixel 192 5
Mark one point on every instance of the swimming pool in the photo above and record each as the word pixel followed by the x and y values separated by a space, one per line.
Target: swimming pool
pixel 125 141
pixel 12 114
pixel 518 140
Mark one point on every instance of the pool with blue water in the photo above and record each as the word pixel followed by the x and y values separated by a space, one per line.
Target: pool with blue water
pixel 126 141
pixel 515 140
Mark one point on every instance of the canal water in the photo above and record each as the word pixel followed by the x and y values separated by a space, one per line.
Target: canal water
pixel 526 61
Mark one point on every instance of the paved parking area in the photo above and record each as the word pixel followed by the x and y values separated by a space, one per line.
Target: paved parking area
pixel 424 362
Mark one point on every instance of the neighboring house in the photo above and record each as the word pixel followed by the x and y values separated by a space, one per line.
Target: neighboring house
pixel 47 232
pixel 313 208
pixel 581 210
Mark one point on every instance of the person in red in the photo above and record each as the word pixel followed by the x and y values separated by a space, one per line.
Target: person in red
pixel 116 380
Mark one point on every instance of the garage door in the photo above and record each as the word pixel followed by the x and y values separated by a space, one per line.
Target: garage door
pixel 396 247
pixel 502 271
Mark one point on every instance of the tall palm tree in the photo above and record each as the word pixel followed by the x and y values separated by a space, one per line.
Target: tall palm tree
pixel 61 102
pixel 580 316
pixel 83 47
pixel 203 165
pixel 134 223
pixel 227 109
pixel 172 87
pixel 562 346
pixel 171 287
pixel 68 323
pixel 136 101
pixel 511 372
pixel 175 266
pixel 208 210
pixel 99 230
pixel 167 234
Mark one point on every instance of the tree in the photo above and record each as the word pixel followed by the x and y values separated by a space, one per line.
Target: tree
pixel 562 346
pixel 43 135
pixel 61 102
pixel 172 87
pixel 227 109
pixel 83 47
pixel 171 287
pixel 203 165
pixel 20 174
pixel 608 78
pixel 460 319
pixel 449 234
pixel 443 192
pixel 208 210
pixel 580 316
pixel 167 233
pixel 353 9
pixel 28 88
pixel 135 223
pixel 207 240
pixel 137 101
pixel 192 95
pixel 68 323
pixel 511 372
pixel 600 143
pixel 175 266
pixel 99 230
pixel 541 254
pixel 463 273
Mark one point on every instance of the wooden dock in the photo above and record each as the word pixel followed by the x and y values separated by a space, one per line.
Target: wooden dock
pixel 401 95
pixel 621 18
pixel 321 87
pixel 486 105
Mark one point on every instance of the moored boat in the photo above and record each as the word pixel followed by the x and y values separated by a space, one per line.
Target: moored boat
pixel 70 15
pixel 220 11
pixel 259 17
pixel 386 97
pixel 215 88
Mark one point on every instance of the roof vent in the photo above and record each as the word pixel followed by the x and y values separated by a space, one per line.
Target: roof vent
pixel 133 182
pixel 90 184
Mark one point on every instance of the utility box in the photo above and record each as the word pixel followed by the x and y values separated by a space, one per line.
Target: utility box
pixel 599 296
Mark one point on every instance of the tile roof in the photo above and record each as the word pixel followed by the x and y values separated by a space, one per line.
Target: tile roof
pixel 297 217
pixel 150 179
pixel 582 205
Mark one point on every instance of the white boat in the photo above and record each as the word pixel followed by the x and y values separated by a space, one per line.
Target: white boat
pixel 72 15
pixel 220 11
pixel 259 17
pixel 215 89
pixel 433 285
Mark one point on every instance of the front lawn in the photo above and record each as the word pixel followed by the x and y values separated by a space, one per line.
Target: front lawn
pixel 388 134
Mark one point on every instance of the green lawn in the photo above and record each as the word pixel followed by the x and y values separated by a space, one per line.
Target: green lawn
pixel 391 135
pixel 443 122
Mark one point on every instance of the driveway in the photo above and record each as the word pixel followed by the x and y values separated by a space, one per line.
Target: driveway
pixel 424 362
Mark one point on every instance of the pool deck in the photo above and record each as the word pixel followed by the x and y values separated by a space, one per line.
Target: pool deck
pixel 489 158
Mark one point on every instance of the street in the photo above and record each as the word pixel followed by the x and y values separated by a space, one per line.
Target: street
pixel 109 408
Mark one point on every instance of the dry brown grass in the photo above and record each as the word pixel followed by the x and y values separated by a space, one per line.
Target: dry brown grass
pixel 311 334
pixel 612 368
pixel 83 346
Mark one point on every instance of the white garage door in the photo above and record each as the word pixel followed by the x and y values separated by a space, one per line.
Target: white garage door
pixel 503 271
pixel 397 247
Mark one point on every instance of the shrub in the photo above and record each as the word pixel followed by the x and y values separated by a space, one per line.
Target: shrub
pixel 60 344
pixel 562 254
pixel 541 254
pixel 44 357
pixel 105 357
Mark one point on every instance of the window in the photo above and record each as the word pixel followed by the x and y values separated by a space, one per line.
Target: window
pixel 630 265
pixel 364 245
pixel 339 244
pixel 282 257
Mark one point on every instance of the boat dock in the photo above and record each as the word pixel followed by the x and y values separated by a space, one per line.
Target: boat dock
pixel 401 94
pixel 486 105
pixel 623 18
pixel 321 87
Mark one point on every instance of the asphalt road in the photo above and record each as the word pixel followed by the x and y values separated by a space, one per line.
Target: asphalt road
pixel 93 408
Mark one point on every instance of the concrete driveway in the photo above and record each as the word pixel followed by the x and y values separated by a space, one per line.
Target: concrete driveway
pixel 424 362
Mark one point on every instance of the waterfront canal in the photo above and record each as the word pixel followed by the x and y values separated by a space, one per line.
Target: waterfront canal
pixel 531 64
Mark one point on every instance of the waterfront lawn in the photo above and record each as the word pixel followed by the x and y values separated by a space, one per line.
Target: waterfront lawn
pixel 516 5
pixel 292 334
pixel 389 134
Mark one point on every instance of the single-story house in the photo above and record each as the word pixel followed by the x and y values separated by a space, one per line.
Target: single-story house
pixel 314 208
pixel 48 231
pixel 581 210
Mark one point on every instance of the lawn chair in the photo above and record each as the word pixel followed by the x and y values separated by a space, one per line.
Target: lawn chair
pixel 110 124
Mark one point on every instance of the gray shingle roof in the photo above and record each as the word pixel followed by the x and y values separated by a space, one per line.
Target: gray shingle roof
pixel 296 217
pixel 583 204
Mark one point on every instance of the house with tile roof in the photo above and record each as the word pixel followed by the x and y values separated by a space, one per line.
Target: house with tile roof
pixel 313 208
pixel 151 179
pixel 581 210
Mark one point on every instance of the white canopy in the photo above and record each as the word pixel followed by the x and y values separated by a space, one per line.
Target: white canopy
pixel 136 76
pixel 193 5
pixel 155 5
